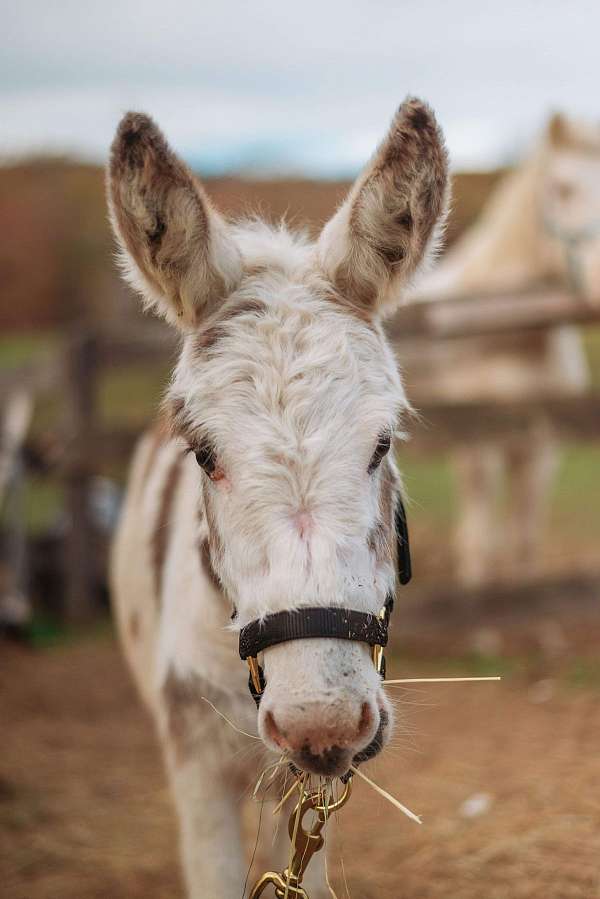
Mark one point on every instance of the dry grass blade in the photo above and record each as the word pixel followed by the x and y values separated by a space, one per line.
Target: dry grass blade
pixel 297 785
pixel 405 811
pixel 273 769
pixel 332 892
pixel 229 722
pixel 437 680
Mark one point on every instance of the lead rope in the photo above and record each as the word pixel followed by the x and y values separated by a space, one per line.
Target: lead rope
pixel 304 842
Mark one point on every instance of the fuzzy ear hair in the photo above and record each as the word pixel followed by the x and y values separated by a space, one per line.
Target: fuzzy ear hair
pixel 392 216
pixel 176 249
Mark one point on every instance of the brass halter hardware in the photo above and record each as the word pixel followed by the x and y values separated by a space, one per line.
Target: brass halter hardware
pixel 305 844
pixel 377 656
pixel 377 650
pixel 255 673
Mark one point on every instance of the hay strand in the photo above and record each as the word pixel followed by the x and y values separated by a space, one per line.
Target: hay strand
pixel 437 680
pixel 295 786
pixel 229 722
pixel 405 811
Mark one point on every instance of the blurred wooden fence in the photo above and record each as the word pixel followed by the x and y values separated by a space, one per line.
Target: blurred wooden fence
pixel 88 444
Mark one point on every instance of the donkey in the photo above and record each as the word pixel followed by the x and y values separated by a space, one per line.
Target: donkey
pixel 272 489
pixel 541 223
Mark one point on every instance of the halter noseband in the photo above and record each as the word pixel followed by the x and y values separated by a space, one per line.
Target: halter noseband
pixel 333 622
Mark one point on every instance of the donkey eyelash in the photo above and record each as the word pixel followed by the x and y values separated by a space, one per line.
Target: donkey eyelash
pixel 206 456
pixel 382 449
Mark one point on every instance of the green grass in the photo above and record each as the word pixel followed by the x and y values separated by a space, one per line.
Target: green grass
pixel 576 493
pixel 21 349
pixel 130 396
pixel 583 673
pixel 43 503
pixel 463 665
pixel 430 487
pixel 591 342
pixel 579 672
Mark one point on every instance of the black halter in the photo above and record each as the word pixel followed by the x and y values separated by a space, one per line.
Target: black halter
pixel 342 624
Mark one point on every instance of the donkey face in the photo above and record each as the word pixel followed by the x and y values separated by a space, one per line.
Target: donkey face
pixel 288 395
pixel 570 201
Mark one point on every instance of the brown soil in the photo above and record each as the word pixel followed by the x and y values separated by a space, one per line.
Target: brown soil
pixel 84 812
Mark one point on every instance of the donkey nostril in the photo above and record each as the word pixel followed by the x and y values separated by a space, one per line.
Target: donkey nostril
pixel 329 762
pixel 366 720
pixel 279 737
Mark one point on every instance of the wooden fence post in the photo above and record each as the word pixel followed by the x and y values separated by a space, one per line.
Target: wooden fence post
pixel 80 395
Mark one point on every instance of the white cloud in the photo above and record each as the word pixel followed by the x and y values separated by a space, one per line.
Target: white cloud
pixel 302 84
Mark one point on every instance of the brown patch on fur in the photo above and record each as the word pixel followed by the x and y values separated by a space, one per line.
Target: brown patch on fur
pixel 163 217
pixel 177 418
pixel 207 565
pixel 215 542
pixel 190 722
pixel 363 312
pixel 378 541
pixel 184 705
pixel 395 206
pixel 254 271
pixel 134 626
pixel 159 436
pixel 215 329
pixel 162 526
pixel 380 538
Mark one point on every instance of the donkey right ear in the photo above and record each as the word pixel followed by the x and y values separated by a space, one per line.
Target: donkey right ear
pixel 392 217
pixel 176 249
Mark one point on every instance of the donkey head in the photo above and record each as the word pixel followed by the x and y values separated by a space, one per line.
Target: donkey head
pixel 289 396
pixel 569 189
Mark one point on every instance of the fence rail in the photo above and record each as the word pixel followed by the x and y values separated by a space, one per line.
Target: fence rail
pixel 495 313
pixel 89 444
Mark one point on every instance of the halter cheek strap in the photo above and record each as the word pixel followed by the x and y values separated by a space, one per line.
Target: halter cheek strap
pixel 331 622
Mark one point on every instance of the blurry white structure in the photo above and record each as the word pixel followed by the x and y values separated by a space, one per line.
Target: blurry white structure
pixel 15 609
pixel 542 223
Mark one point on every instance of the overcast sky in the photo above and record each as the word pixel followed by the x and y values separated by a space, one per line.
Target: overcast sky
pixel 275 86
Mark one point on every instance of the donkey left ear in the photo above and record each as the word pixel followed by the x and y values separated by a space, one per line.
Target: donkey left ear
pixel 392 216
pixel 176 249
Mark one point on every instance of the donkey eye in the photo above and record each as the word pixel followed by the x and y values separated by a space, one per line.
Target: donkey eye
pixel 381 450
pixel 206 457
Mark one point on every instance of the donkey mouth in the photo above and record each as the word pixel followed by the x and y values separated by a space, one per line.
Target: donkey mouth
pixel 376 744
pixel 336 760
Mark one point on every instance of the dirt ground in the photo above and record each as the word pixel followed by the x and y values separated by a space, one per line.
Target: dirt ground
pixel 84 812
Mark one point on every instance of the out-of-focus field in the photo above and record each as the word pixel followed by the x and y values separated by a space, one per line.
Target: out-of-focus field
pixel 85 813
